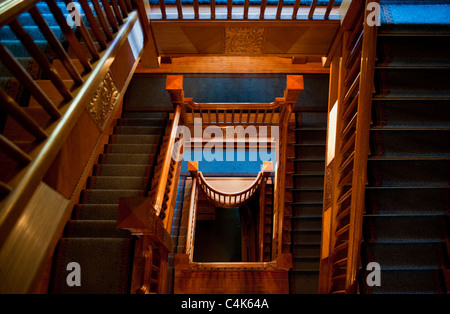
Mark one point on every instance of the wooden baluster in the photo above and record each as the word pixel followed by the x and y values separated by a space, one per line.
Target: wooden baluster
pixel 93 23
pixel 229 9
pixel 40 58
pixel 56 45
pixel 110 16
pixel 117 12
pixel 23 118
pixel 213 9
pixel 69 34
pixel 179 9
pixel 246 6
pixel 24 78
pixel 263 9
pixel 279 8
pixel 328 10
pixel 196 14
pixel 123 8
pixel 4 188
pixel 86 36
pixel 102 20
pixel 162 7
pixel 129 5
pixel 13 151
pixel 312 9
pixel 295 12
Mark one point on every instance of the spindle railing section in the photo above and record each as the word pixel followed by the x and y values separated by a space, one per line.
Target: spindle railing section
pixel 245 10
pixel 93 41
pixel 347 151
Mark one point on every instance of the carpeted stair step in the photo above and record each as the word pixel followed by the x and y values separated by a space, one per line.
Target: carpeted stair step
pixel 7 34
pixel 413 51
pixel 397 114
pixel 428 172
pixel 124 159
pixel 408 282
pixel 310 136
pixel 97 196
pixel 95 211
pixel 413 83
pixel 122 170
pixel 407 201
pixel 117 183
pixel 16 48
pixel 134 139
pixel 311 181
pixel 130 148
pixel 405 229
pixel 415 17
pixel 307 196
pixel 94 229
pixel 395 256
pixel 138 130
pixel 104 264
pixel 146 114
pixel 307 210
pixel 140 122
pixel 410 143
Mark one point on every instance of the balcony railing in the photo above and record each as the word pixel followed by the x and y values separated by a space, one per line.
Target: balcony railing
pixel 245 9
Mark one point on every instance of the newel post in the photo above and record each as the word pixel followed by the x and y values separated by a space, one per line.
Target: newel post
pixel 174 85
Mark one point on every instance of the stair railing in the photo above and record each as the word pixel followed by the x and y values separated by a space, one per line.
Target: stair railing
pixel 349 121
pixel 277 114
pixel 220 198
pixel 166 191
pixel 246 11
pixel 95 53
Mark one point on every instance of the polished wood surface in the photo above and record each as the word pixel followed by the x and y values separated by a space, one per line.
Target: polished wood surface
pixel 347 172
pixel 236 64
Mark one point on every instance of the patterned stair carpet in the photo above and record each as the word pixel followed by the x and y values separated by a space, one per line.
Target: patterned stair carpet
pixel 406 221
pixel 90 238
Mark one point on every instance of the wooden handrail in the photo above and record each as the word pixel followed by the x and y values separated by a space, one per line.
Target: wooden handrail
pixel 192 217
pixel 227 199
pixel 368 58
pixel 165 178
pixel 350 111
pixel 27 180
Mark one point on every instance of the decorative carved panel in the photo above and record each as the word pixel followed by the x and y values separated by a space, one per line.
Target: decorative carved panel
pixel 103 101
pixel 242 40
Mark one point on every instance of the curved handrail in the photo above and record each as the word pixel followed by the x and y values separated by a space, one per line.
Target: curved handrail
pixel 227 199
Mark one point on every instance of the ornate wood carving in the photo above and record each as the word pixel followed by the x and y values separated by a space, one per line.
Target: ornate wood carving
pixel 103 101
pixel 241 40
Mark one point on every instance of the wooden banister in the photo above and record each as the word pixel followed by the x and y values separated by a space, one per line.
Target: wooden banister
pixel 65 115
pixel 238 198
pixel 350 112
